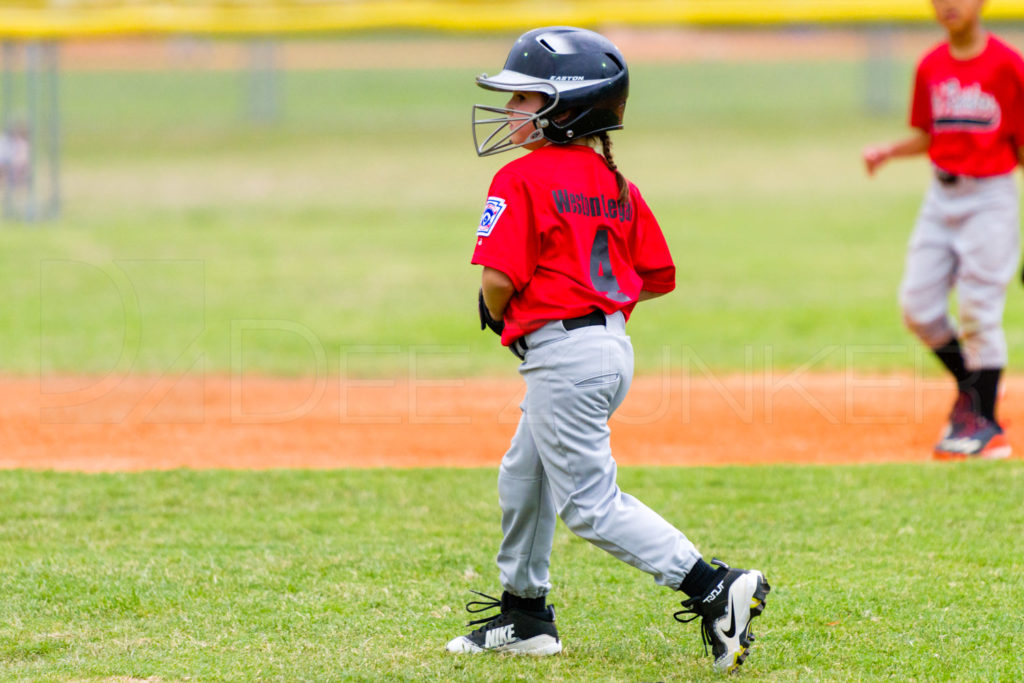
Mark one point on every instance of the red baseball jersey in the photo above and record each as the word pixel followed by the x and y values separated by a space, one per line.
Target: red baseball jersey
pixel 554 225
pixel 973 108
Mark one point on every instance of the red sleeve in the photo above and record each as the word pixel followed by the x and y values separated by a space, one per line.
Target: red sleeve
pixel 651 258
pixel 1016 124
pixel 506 239
pixel 921 103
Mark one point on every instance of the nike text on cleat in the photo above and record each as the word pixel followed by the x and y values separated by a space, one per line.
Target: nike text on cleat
pixel 726 612
pixel 511 630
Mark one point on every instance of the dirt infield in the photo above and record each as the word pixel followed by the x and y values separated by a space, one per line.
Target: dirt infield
pixel 136 423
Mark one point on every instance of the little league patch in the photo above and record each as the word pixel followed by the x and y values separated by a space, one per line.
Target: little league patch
pixel 492 212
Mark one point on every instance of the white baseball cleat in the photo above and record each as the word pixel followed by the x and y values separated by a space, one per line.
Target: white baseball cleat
pixel 726 612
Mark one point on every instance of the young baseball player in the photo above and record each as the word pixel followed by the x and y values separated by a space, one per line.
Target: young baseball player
pixel 968 112
pixel 568 248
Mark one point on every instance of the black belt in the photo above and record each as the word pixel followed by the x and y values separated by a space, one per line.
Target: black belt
pixel 519 347
pixel 947 178
pixel 588 320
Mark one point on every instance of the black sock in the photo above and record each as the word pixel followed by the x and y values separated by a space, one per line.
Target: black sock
pixel 700 580
pixel 953 358
pixel 986 389
pixel 979 385
pixel 524 604
pixel 982 387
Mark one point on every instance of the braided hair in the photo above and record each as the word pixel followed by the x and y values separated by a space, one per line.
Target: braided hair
pixel 620 180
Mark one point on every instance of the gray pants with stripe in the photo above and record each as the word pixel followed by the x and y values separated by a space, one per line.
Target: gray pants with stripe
pixel 967 237
pixel 560 464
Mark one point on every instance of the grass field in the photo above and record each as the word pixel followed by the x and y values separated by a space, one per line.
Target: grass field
pixel 351 220
pixel 896 573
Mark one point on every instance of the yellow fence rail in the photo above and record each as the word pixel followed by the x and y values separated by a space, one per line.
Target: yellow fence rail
pixel 68 18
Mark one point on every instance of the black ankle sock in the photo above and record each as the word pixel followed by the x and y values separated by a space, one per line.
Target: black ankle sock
pixel 700 580
pixel 524 604
pixel 986 388
pixel 982 386
pixel 953 358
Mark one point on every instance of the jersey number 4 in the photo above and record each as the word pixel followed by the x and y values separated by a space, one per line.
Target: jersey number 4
pixel 601 275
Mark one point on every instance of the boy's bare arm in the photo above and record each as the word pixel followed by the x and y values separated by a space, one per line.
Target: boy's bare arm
pixel 876 155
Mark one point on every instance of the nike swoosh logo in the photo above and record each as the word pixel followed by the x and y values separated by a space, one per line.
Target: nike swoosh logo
pixel 731 631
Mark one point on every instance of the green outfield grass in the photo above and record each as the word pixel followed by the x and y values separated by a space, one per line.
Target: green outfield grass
pixel 350 223
pixel 896 572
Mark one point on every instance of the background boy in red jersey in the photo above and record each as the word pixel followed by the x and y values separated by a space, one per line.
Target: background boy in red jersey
pixel 968 109
pixel 568 248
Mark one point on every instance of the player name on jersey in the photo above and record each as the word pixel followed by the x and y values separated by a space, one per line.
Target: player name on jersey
pixel 578 203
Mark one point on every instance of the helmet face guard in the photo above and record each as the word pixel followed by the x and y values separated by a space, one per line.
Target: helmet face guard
pixel 583 75
pixel 497 132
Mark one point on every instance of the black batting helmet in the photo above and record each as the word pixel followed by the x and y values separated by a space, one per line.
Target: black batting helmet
pixel 583 75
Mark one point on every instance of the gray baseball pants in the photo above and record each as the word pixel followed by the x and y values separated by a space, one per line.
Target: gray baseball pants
pixel 560 463
pixel 967 236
